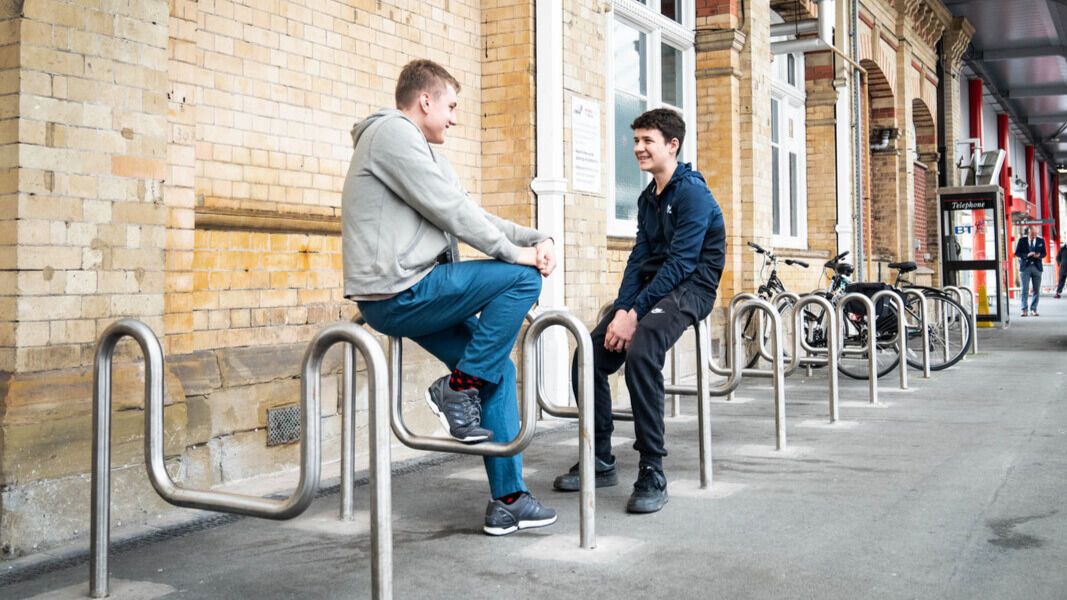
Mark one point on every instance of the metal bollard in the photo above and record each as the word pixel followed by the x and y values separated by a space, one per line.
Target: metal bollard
pixel 925 332
pixel 902 331
pixel 872 337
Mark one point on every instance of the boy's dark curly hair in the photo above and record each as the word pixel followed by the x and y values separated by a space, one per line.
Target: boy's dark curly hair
pixel 667 121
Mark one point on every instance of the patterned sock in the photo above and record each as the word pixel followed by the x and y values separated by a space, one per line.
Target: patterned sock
pixel 510 498
pixel 461 381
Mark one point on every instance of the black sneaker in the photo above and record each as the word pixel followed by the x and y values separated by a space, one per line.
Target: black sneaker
pixel 606 476
pixel 525 512
pixel 460 411
pixel 650 491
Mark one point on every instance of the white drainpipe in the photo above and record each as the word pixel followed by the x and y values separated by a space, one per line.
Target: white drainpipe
pixel 550 183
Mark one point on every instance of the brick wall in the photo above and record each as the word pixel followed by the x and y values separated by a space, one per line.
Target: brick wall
pixel 9 102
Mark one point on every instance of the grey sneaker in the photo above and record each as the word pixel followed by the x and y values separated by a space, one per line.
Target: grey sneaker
pixel 525 512
pixel 650 491
pixel 460 411
pixel 606 476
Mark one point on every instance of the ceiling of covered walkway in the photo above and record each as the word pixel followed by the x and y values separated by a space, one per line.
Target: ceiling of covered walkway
pixel 1020 49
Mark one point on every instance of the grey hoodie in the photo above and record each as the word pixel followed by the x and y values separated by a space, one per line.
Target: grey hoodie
pixel 402 206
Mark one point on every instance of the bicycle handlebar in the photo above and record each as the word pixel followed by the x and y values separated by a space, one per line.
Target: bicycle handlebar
pixel 830 264
pixel 800 263
pixel 757 247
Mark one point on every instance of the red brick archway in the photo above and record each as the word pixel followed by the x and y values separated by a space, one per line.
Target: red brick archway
pixel 924 196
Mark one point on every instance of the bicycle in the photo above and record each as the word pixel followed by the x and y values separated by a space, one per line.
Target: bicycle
pixel 946 320
pixel 767 291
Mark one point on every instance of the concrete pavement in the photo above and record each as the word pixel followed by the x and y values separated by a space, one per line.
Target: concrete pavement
pixel 953 489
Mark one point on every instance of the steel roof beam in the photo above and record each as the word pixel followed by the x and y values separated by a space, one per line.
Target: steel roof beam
pixel 992 54
pixel 1055 119
pixel 1037 91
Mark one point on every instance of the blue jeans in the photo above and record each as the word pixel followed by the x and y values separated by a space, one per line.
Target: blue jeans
pixel 468 315
pixel 1030 277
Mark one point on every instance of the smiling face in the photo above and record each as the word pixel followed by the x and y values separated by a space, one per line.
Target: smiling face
pixel 653 153
pixel 438 112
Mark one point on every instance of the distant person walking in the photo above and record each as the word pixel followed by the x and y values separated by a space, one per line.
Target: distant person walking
pixel 1061 256
pixel 1030 251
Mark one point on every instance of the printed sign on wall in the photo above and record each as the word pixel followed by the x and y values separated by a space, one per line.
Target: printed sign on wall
pixel 585 145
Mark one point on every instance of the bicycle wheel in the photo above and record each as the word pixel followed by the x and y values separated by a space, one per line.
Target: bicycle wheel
pixel 854 360
pixel 756 326
pixel 750 338
pixel 949 329
pixel 815 327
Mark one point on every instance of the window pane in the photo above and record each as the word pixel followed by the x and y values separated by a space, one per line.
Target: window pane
pixel 630 53
pixel 791 70
pixel 775 195
pixel 793 194
pixel 774 121
pixel 672 9
pixel 672 76
pixel 629 181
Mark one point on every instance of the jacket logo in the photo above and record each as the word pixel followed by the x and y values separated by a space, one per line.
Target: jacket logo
pixel 669 208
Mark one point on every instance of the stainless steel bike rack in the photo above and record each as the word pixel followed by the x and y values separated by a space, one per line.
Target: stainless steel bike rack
pixel 310 449
pixel 832 349
pixel 528 403
pixel 737 308
pixel 567 411
pixel 872 335
pixel 902 331
pixel 974 317
pixel 702 391
pixel 972 321
pixel 924 331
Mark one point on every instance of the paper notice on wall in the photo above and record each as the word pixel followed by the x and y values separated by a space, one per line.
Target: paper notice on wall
pixel 585 145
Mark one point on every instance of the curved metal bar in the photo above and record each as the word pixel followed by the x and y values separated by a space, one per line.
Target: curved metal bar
pixel 808 348
pixel 778 301
pixel 730 309
pixel 872 335
pixel 569 411
pixel 902 330
pixel 100 525
pixel 310 452
pixel 777 372
pixel 831 344
pixel 974 317
pixel 972 324
pixel 552 318
pixel 356 338
pixel 925 332
pixel 527 414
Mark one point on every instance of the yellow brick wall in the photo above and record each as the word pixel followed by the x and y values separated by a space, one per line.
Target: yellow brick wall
pixel 594 262
pixel 92 130
pixel 9 103
pixel 275 94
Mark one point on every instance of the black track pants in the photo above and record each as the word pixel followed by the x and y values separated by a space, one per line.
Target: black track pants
pixel 656 332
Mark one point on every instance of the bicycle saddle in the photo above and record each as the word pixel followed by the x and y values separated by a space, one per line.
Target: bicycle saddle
pixel 904 267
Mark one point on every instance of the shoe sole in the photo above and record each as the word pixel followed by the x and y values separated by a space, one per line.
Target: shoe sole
pixel 444 422
pixel 634 511
pixel 599 483
pixel 522 525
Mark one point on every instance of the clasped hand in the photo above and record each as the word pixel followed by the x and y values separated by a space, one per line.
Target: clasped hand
pixel 621 330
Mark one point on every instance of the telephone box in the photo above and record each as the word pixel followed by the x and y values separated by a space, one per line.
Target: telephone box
pixel 973 247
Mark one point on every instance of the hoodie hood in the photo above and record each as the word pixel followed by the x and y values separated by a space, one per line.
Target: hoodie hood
pixel 359 128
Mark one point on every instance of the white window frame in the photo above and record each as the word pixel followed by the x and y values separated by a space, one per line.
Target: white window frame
pixel 658 30
pixel 791 103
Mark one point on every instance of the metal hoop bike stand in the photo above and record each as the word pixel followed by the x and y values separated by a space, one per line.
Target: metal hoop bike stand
pixel 310 448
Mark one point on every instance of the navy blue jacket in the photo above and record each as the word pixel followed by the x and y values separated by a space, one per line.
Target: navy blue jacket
pixel 681 241
pixel 1022 248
